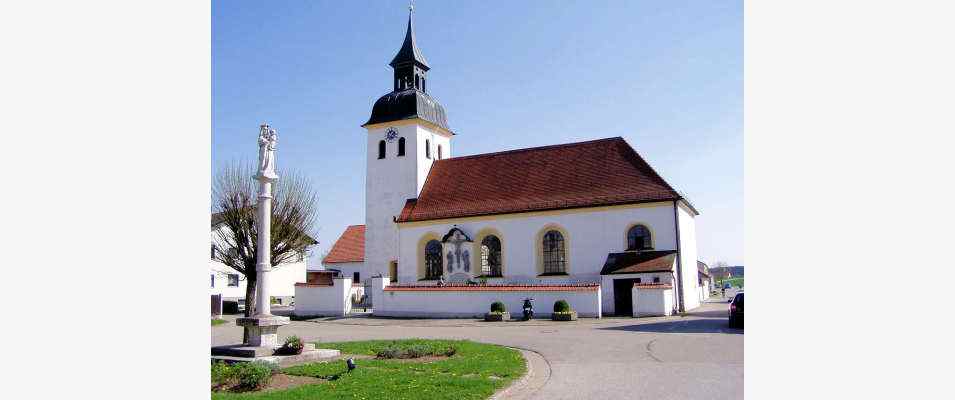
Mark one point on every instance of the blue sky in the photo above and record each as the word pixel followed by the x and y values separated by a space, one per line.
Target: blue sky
pixel 667 76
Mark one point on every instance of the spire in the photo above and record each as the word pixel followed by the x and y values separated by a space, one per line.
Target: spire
pixel 409 99
pixel 409 52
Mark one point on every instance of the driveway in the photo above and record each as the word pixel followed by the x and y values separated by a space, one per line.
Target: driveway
pixel 692 357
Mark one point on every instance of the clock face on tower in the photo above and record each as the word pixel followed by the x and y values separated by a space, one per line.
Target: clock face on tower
pixel 391 134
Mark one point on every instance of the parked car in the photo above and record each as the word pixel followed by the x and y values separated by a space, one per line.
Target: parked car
pixel 727 286
pixel 736 311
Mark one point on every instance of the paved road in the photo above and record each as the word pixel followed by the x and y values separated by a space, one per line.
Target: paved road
pixel 693 357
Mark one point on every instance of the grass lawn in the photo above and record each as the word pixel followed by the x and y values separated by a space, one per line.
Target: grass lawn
pixel 475 371
pixel 218 322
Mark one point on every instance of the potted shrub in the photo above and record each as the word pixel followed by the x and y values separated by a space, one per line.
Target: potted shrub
pixel 562 312
pixel 498 312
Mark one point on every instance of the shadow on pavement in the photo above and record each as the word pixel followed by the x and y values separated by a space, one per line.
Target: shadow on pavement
pixel 715 314
pixel 705 325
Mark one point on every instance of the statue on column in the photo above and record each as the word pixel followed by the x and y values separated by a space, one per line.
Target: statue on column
pixel 267 142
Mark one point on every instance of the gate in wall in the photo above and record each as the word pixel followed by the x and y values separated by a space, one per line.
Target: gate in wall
pixel 361 299
pixel 216 305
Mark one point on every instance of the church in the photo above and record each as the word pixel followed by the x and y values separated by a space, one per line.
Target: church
pixel 590 217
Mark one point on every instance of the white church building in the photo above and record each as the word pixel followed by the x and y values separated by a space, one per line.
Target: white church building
pixel 590 222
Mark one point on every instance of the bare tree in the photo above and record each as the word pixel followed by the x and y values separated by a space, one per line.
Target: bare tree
pixel 721 268
pixel 294 212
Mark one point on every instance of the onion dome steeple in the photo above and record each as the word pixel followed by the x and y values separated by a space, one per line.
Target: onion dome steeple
pixel 409 99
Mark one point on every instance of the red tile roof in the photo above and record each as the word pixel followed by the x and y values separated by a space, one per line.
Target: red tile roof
pixel 634 262
pixel 350 247
pixel 702 268
pixel 653 286
pixel 586 174
pixel 462 287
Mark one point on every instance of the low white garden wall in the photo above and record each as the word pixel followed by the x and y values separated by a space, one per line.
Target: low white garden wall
pixel 474 301
pixel 323 300
pixel 652 300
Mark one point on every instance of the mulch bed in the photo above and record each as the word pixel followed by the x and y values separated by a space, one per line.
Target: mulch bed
pixel 278 382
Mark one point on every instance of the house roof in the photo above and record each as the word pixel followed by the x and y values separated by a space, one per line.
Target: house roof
pixel 702 268
pixel 217 218
pixel 350 247
pixel 463 287
pixel 653 286
pixel 633 262
pixel 585 174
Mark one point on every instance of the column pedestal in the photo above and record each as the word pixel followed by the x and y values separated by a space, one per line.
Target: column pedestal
pixel 263 329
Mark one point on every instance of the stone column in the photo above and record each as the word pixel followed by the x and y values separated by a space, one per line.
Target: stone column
pixel 263 326
pixel 263 264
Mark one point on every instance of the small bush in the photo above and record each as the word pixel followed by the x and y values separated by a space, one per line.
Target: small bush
pixel 497 306
pixel 561 306
pixel 450 351
pixel 418 350
pixel 414 350
pixel 293 345
pixel 253 375
pixel 221 373
pixel 389 352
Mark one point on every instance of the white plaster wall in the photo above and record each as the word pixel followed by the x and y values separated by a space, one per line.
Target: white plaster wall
pixel 591 236
pixel 324 300
pixel 474 304
pixel 606 286
pixel 389 183
pixel 282 279
pixel 424 164
pixel 688 257
pixel 652 302
pixel 349 269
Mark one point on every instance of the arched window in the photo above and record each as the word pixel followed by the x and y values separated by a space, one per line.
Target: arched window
pixel 638 238
pixel 491 256
pixel 427 149
pixel 432 260
pixel 417 83
pixel 381 149
pixel 424 85
pixel 440 153
pixel 401 146
pixel 555 261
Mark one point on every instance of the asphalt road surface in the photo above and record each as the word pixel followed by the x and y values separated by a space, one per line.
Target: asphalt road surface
pixel 691 357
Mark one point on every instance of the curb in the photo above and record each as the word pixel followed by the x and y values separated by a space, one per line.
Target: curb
pixel 538 374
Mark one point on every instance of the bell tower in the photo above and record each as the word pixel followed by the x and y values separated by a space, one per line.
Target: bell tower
pixel 407 133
